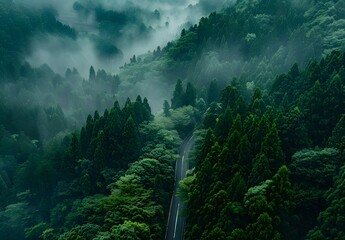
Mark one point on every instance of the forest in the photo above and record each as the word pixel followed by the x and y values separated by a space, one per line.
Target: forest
pixel 90 152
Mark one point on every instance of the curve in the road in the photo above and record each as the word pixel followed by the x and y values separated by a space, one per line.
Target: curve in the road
pixel 176 222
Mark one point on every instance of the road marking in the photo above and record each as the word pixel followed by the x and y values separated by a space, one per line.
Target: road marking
pixel 171 203
pixel 178 210
pixel 173 197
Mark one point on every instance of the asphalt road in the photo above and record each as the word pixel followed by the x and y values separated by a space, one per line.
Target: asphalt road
pixel 176 222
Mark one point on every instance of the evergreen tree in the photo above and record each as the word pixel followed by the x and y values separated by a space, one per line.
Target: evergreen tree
pixel 224 123
pixel 73 156
pixel 331 220
pixel 177 101
pixel 190 95
pixel 138 110
pixel 313 102
pixel 271 147
pixel 293 133
pixel 237 188
pixel 257 105
pixel 280 196
pixel 100 157
pixel 338 133
pixel 166 108
pixel 147 115
pixel 262 229
pixel 279 191
pixel 130 142
pixel 92 74
pixel 260 171
pixel 213 92
pixel 243 155
pixel 83 141
pixel 208 142
pixel 127 109
pixel 229 96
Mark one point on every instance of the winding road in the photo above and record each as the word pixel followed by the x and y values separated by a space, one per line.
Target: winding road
pixel 176 222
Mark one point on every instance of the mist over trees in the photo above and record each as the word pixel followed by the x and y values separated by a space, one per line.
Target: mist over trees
pixel 97 97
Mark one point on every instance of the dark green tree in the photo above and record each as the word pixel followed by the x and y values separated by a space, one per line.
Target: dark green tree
pixel 262 229
pixel 237 188
pixel 331 220
pixel 338 134
pixel 147 114
pixel 271 147
pixel 166 108
pixel 213 92
pixel 260 171
pixel 130 142
pixel 178 95
pixel 190 95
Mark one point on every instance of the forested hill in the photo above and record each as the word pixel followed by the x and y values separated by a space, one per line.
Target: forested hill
pixel 273 168
pixel 18 25
pixel 252 40
pixel 113 179
pixel 260 83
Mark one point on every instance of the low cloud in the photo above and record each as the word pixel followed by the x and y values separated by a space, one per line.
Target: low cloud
pixel 61 53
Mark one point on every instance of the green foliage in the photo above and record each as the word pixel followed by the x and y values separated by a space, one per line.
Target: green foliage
pixel 336 139
pixel 183 98
pixel 130 141
pixel 260 171
pixel 177 100
pixel 279 191
pixel 183 120
pixel 184 189
pixel 166 108
pixel 315 168
pixel 131 230
pixel 303 110
pixel 237 188
pixel 331 219
pixel 312 173
pixel 36 231
pixel 262 229
pixel 114 179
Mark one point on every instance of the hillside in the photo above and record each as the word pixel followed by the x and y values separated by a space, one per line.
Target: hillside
pixel 271 168
pixel 259 84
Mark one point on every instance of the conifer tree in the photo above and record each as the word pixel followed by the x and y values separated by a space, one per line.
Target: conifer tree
pixel 83 141
pixel 130 142
pixel 166 108
pixel 271 147
pixel 280 197
pixel 237 188
pixel 138 110
pixel 205 149
pixel 92 74
pixel 147 115
pixel 100 156
pixel 223 125
pixel 190 95
pixel 178 95
pixel 338 133
pixel 260 171
pixel 213 92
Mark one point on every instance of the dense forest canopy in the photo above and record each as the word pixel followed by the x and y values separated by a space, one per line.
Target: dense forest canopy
pixel 88 150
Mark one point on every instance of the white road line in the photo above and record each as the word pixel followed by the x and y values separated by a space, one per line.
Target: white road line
pixel 178 210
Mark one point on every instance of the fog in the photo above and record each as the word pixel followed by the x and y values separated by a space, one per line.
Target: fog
pixel 148 24
pixel 108 34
